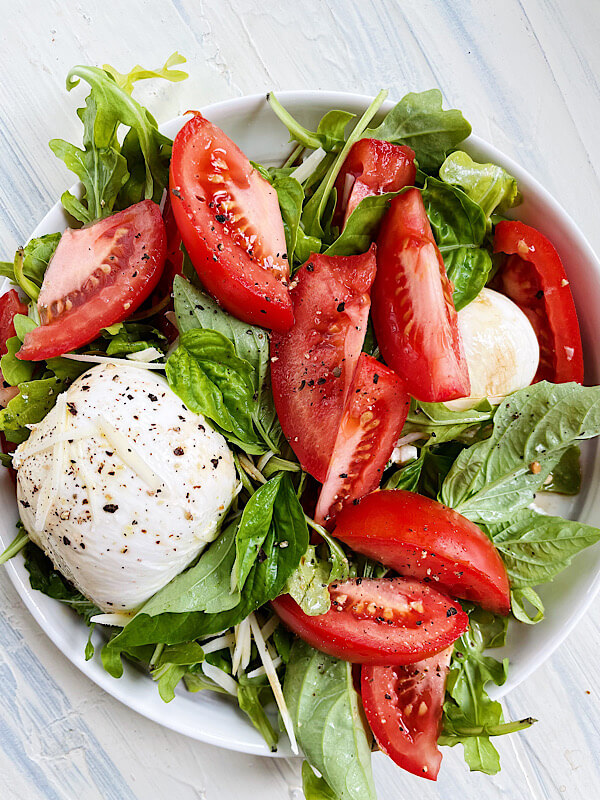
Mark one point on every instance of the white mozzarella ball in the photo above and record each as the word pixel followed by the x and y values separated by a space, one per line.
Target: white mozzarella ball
pixel 500 346
pixel 122 486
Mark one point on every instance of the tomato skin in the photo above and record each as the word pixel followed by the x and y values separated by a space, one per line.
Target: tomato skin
pixel 133 244
pixel 213 188
pixel 534 278
pixel 381 622
pixel 10 306
pixel 372 166
pixel 313 365
pixel 405 729
pixel 373 418
pixel 413 314
pixel 420 537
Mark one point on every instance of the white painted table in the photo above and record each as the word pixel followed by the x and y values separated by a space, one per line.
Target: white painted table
pixel 526 75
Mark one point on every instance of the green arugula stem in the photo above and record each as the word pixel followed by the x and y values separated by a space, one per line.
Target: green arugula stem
pixel 297 131
pixel 17 544
pixel 28 286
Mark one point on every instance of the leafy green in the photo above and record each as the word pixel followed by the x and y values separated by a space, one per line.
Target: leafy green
pixel 46 579
pixel 132 337
pixel 200 602
pixel 195 309
pixel 408 476
pixel 23 325
pixel 325 710
pixel 527 606
pixel 18 543
pixel 470 717
pixel 565 478
pixel 536 547
pixel 420 122
pixel 137 169
pixel 30 263
pixel 249 700
pixel 308 583
pixel 330 131
pixel 34 401
pixel 362 226
pixel 15 371
pixel 253 528
pixel 205 372
pixel 438 424
pixel 315 788
pixel 291 197
pixel 459 228
pixel 488 185
pixel 492 480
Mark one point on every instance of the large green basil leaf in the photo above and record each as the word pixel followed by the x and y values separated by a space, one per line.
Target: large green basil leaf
pixel 488 185
pixel 419 121
pixel 491 480
pixel 536 547
pixel 326 713
pixel 459 228
pixel 437 423
pixel 253 528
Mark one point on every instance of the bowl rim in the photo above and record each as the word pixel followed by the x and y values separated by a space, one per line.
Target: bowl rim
pixel 238 106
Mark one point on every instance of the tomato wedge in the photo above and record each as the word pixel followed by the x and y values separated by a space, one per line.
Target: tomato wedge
pixel 422 538
pixel 231 226
pixel 372 167
pixel 387 621
pixel 534 277
pixel 312 366
pixel 97 277
pixel 10 306
pixel 413 313
pixel 403 705
pixel 374 414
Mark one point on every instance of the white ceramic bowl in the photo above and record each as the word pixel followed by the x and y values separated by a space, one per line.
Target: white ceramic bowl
pixel 252 125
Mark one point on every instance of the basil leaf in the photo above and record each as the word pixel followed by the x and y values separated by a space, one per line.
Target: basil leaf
pixel 419 121
pixel 362 226
pixel 408 476
pixel 15 371
pixel 459 228
pixel 492 480
pixel 565 478
pixel 315 788
pixel 253 528
pixel 488 185
pixel 326 713
pixel 438 424
pixel 46 579
pixel 522 600
pixel 168 676
pixel 185 654
pixel 536 547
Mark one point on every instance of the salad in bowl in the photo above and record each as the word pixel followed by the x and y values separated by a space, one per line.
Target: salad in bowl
pixel 285 432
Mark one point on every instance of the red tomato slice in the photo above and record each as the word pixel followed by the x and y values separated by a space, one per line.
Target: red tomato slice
pixel 403 706
pixel 97 277
pixel 312 366
pixel 387 621
pixel 231 226
pixel 10 306
pixel 419 537
pixel 535 279
pixel 372 167
pixel 373 417
pixel 413 314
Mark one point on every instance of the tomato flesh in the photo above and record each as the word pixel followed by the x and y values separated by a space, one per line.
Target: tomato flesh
pixel 313 365
pixel 413 314
pixel 420 537
pixel 231 226
pixel 372 167
pixel 534 278
pixel 403 705
pixel 10 306
pixel 387 621
pixel 373 417
pixel 97 277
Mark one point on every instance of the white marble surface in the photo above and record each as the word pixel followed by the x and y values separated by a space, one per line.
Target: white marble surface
pixel 526 75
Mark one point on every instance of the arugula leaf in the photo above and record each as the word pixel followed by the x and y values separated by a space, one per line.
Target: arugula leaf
pixel 488 185
pixel 291 197
pixel 315 788
pixel 470 717
pixel 308 583
pixel 305 246
pixel 139 168
pixel 132 337
pixel 168 676
pixel 249 700
pixel 23 325
pixel 126 80
pixel 205 372
pixel 492 480
pixel 195 309
pixel 253 528
pixel 330 131
pixel 46 579
pixel 33 258
pixel 326 713
pixel 420 122
pixel 408 476
pixel 15 371
pixel 200 602
pixel 362 226
pixel 536 547
pixel 34 401
pixel 459 228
